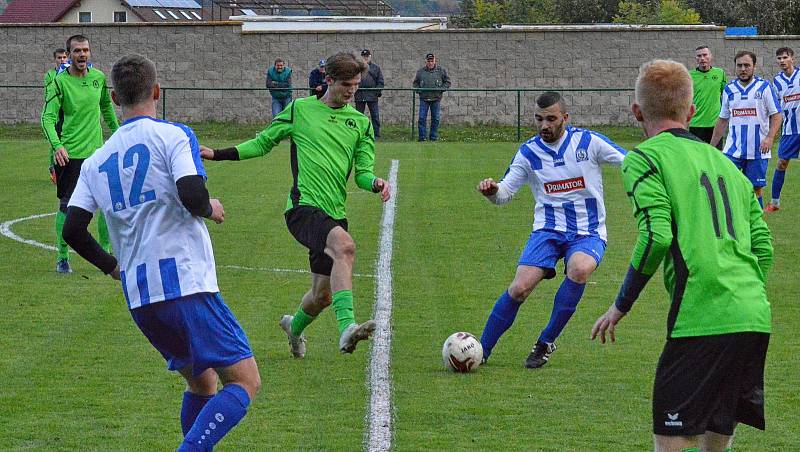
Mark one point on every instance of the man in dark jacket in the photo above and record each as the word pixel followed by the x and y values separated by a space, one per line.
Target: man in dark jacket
pixel 316 80
pixel 433 80
pixel 279 82
pixel 369 98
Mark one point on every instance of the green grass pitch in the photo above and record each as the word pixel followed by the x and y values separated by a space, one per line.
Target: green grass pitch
pixel 78 375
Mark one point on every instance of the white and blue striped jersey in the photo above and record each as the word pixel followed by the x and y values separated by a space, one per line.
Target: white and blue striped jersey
pixel 748 110
pixel 164 252
pixel 788 91
pixel 566 180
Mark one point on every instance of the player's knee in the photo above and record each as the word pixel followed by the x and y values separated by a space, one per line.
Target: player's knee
pixel 345 249
pixel 520 290
pixel 783 164
pixel 581 273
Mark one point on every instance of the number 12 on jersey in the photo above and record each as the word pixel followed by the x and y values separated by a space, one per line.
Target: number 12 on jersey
pixel 135 195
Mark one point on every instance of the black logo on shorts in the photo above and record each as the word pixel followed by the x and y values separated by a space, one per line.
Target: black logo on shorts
pixel 350 123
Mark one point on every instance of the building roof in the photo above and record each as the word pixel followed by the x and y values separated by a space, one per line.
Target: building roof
pixel 36 11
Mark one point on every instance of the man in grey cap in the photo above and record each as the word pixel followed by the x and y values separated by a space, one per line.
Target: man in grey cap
pixel 433 80
pixel 316 80
pixel 369 98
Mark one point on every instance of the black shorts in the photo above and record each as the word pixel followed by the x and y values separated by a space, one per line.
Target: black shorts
pixel 67 178
pixel 710 383
pixel 310 226
pixel 705 134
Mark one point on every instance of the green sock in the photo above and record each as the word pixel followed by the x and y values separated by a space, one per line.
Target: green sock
pixel 300 321
pixel 343 307
pixel 63 249
pixel 102 233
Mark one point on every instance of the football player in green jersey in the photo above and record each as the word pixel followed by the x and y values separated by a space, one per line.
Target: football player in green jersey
pixel 708 82
pixel 329 140
pixel 59 57
pixel 697 213
pixel 79 96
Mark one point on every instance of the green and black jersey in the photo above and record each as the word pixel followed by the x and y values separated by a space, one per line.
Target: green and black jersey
pixel 49 76
pixel 697 213
pixel 81 100
pixel 708 87
pixel 327 144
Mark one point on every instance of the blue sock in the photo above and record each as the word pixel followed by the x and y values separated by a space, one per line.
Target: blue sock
pixel 564 305
pixel 777 183
pixel 192 404
pixel 761 201
pixel 216 419
pixel 502 316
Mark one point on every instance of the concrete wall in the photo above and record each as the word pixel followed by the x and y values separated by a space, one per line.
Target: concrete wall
pixel 219 55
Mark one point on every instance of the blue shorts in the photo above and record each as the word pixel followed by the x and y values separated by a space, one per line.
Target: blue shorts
pixel 196 330
pixel 545 248
pixel 789 148
pixel 755 170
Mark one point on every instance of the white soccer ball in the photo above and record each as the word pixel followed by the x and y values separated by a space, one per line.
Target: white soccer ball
pixel 462 352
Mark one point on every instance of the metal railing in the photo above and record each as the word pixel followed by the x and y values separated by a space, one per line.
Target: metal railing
pixel 412 92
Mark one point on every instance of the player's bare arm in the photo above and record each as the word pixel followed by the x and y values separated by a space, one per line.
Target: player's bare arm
pixel 217 211
pixel 206 153
pixel 774 126
pixel 488 187
pixel 381 186
pixel 607 323
pixel 61 156
pixel 719 129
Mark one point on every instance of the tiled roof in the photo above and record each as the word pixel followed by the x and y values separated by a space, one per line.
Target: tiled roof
pixel 36 11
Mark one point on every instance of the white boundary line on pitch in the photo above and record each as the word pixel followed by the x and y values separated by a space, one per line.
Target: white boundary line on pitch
pixel 380 410
pixel 5 229
pixel 284 270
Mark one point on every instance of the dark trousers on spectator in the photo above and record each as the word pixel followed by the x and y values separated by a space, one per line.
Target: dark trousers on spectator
pixel 705 134
pixel 374 114
pixel 279 104
pixel 434 107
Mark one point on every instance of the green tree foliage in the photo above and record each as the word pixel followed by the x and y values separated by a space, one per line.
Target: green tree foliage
pixel 774 17
pixel 534 12
pixel 488 13
pixel 661 12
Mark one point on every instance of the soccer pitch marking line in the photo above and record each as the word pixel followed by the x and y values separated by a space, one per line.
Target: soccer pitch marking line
pixel 5 229
pixel 379 379
pixel 284 270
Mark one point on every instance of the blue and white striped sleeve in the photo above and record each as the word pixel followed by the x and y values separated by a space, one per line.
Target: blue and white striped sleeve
pixel 606 151
pixel 184 158
pixel 517 175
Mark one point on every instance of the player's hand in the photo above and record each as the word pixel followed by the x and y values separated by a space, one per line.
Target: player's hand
pixel 115 273
pixel 217 211
pixel 206 153
pixel 319 88
pixel 766 145
pixel 488 187
pixel 607 322
pixel 61 156
pixel 381 186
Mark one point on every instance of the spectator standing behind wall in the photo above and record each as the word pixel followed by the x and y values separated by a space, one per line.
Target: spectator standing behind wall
pixel 279 83
pixel 373 78
pixel 434 80
pixel 316 80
